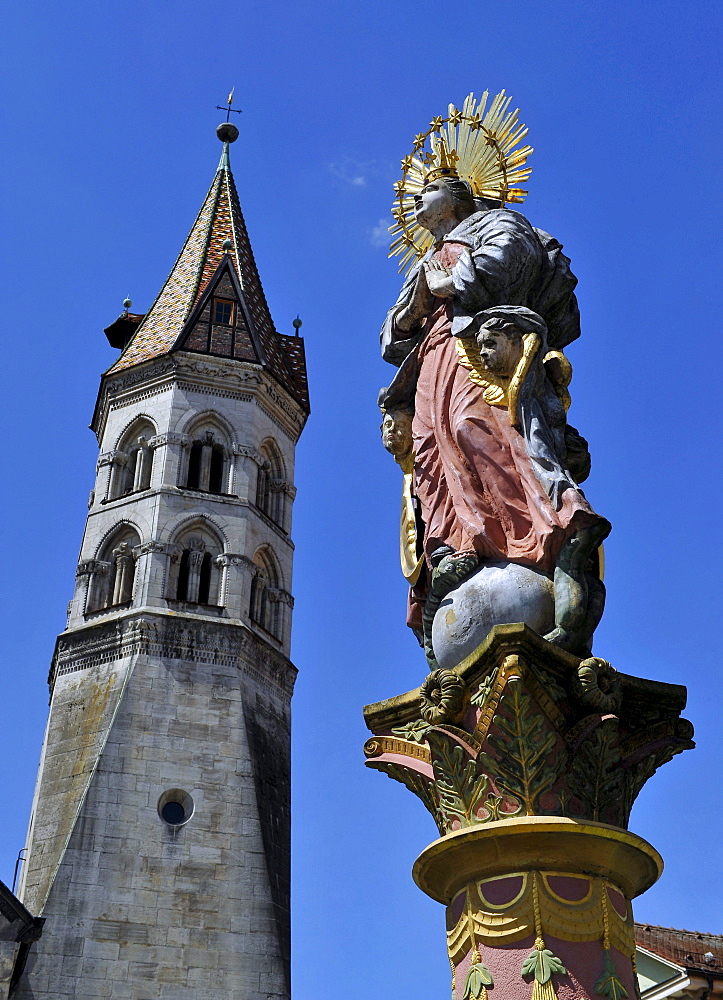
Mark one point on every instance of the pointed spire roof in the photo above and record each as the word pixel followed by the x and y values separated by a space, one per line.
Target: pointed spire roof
pixel 218 237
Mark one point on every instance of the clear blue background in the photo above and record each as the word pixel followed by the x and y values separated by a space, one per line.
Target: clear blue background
pixel 108 116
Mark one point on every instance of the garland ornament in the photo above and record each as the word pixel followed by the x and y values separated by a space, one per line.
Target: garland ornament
pixel 541 962
pixel 477 144
pixel 479 976
pixel 609 985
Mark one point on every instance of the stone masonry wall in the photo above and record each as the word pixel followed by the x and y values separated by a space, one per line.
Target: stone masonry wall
pixel 140 910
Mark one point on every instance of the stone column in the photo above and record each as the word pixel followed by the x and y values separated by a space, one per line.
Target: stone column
pixel 142 475
pixel 529 760
pixel 119 461
pixel 151 562
pixel 196 552
pixel 83 577
pixel 204 476
pixel 230 472
pixel 285 493
pixel 170 464
pixel 234 568
pixel 246 461
pixel 102 485
pixel 282 600
pixel 124 571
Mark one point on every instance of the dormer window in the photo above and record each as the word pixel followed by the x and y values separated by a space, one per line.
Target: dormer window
pixel 223 310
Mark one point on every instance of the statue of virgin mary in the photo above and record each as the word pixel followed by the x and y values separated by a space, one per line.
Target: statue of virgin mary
pixel 503 531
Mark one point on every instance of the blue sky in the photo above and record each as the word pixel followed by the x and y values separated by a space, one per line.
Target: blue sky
pixel 108 114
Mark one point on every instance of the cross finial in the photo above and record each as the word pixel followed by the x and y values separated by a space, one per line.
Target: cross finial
pixel 229 109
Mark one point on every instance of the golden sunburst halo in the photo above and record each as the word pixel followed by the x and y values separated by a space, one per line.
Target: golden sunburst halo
pixel 477 143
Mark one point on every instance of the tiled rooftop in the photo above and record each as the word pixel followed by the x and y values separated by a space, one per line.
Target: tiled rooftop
pixel 686 948
pixel 220 219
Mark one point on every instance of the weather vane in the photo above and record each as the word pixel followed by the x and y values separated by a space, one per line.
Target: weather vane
pixel 229 109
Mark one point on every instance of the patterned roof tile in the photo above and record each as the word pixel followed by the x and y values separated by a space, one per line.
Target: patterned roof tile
pixel 220 219
pixel 686 948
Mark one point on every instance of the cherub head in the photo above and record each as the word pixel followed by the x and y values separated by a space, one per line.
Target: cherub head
pixel 501 336
pixel 397 436
pixel 500 346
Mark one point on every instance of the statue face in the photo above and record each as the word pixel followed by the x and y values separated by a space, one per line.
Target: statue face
pixel 434 205
pixel 500 349
pixel 397 433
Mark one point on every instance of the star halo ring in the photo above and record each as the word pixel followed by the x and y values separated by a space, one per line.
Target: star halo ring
pixel 477 144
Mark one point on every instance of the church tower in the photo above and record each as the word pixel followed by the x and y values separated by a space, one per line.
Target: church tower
pixel 158 847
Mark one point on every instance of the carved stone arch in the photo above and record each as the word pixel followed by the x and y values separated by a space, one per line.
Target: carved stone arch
pixel 125 524
pixel 200 419
pixel 132 458
pixel 269 448
pixel 265 608
pixel 111 574
pixel 195 575
pixel 176 526
pixel 207 465
pixel 139 419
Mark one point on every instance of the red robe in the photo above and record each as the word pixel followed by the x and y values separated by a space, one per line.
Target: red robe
pixel 472 473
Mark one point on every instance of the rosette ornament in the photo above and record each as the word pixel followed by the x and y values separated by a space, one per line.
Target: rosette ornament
pixel 442 697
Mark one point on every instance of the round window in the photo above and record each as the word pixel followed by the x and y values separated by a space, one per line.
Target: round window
pixel 175 807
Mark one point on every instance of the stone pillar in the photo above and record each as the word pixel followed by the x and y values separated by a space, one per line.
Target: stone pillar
pixel 119 461
pixel 529 760
pixel 150 573
pixel 281 601
pixel 204 476
pixel 170 467
pixel 104 472
pixel 144 457
pixel 234 569
pixel 230 472
pixel 246 461
pixel 83 577
pixel 196 552
pixel 285 493
pixel 124 571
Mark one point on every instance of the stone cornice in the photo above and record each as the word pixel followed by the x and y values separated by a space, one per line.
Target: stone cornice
pixel 206 374
pixel 153 633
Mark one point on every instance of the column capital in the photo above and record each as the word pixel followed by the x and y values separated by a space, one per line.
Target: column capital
pixel 246 451
pixel 280 596
pixel 233 559
pixel 283 486
pixel 150 546
pixel 86 567
pixel 115 457
pixel 529 759
pixel 170 437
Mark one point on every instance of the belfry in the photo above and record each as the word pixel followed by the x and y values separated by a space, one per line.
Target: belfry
pixel 158 847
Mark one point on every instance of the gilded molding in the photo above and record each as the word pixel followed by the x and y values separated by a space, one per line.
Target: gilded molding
pixel 571 920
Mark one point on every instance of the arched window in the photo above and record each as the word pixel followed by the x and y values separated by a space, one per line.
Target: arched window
pixel 265 609
pixel 270 495
pixel 113 575
pixel 196 577
pixel 207 464
pixel 132 462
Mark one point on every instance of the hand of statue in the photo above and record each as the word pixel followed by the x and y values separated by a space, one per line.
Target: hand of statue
pixel 439 279
pixel 419 307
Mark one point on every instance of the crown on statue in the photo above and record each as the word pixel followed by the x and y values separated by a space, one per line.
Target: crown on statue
pixel 477 144
pixel 446 157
